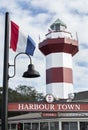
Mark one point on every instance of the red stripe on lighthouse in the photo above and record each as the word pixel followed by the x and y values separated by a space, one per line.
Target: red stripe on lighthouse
pixel 60 74
pixel 59 45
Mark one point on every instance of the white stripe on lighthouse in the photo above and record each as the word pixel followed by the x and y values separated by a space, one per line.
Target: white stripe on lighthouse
pixel 58 60
pixel 59 90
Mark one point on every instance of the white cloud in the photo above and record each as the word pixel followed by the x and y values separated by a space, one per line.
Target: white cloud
pixel 35 20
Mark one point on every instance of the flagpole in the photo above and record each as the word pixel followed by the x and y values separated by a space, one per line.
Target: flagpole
pixel 5 75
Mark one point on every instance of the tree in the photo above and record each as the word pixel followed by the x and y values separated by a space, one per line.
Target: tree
pixel 21 94
pixel 29 93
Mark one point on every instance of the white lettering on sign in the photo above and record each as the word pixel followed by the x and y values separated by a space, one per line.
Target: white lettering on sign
pixel 36 107
pixel 68 106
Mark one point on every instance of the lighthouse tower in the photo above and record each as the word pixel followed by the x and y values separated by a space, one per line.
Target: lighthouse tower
pixel 59 47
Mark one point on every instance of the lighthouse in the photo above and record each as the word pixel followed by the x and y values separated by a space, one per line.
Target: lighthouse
pixel 59 47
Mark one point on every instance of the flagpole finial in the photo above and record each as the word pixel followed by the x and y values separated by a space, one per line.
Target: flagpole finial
pixel 7 13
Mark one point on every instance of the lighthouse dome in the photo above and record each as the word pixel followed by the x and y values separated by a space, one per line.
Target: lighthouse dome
pixel 57 30
pixel 58 25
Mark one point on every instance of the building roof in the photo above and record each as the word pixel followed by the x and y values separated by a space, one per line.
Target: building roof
pixel 78 97
pixel 26 116
pixel 81 96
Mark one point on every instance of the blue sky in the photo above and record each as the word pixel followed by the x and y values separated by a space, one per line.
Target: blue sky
pixel 35 17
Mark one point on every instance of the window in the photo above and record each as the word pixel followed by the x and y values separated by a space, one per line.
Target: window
pixel 27 126
pixel 54 126
pixel 35 126
pixel 13 126
pixel 44 126
pixel 65 126
pixel 69 125
pixel 83 125
pixel 73 125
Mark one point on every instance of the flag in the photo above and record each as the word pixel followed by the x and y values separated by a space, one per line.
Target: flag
pixel 19 42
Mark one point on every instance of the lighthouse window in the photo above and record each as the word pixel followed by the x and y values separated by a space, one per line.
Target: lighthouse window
pixel 69 126
pixel 57 28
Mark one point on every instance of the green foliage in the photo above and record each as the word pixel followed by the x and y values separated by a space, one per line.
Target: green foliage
pixel 28 93
pixel 21 94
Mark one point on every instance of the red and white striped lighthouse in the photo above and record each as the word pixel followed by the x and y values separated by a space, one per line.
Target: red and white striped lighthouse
pixel 59 47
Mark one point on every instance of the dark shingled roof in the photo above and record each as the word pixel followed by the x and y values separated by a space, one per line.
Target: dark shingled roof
pixel 81 96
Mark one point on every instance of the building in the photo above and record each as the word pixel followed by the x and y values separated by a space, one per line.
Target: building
pixel 65 114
